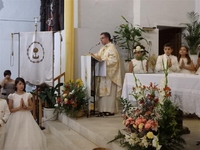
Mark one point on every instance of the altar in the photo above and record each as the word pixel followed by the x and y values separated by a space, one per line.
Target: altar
pixel 185 89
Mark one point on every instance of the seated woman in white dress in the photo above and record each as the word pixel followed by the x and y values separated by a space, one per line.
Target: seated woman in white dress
pixel 186 65
pixel 139 63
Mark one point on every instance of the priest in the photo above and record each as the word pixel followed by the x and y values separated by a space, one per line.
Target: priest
pixel 110 86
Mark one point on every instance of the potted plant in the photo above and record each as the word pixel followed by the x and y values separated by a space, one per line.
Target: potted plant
pixel 74 100
pixel 191 34
pixel 128 36
pixel 48 95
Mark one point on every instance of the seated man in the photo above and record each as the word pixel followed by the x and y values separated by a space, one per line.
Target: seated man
pixel 167 60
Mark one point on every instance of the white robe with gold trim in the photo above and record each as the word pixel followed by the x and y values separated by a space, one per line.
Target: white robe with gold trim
pixel 110 86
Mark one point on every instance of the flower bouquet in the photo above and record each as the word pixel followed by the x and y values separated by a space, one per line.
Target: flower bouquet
pixel 74 100
pixel 152 125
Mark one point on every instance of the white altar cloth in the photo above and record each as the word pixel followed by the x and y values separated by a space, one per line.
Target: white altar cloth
pixel 185 89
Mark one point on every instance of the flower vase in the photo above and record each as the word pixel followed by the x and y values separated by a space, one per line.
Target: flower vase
pixel 80 113
pixel 49 114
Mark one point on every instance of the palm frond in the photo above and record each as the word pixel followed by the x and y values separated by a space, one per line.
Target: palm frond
pixel 117 137
pixel 191 33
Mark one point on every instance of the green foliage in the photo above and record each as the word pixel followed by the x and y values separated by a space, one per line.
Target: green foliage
pixel 126 104
pixel 192 32
pixel 48 94
pixel 169 130
pixel 128 37
pixel 119 136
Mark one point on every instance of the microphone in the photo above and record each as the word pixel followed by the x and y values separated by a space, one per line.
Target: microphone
pixel 94 46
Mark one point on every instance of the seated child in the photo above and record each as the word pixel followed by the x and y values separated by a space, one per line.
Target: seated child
pixel 5 112
pixel 139 63
pixel 186 65
pixel 167 60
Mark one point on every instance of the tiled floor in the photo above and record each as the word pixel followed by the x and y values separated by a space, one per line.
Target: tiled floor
pixel 193 123
pixel 101 125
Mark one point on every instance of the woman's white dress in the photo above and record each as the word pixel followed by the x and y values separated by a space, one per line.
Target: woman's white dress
pixel 22 131
pixel 183 70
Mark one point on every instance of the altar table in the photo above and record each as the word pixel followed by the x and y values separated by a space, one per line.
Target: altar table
pixel 185 89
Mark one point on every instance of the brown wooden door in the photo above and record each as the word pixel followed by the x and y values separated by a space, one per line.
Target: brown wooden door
pixel 170 35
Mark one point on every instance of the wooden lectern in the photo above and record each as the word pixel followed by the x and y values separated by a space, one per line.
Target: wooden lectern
pixel 91 68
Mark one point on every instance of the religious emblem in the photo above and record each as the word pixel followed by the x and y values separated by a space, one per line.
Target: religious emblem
pixel 35 52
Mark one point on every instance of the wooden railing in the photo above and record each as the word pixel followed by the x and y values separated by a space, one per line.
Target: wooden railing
pixel 38 107
pixel 58 79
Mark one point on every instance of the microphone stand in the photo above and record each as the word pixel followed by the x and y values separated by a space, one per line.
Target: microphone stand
pixel 94 46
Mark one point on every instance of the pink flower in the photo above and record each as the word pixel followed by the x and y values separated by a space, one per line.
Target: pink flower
pixel 137 112
pixel 151 124
pixel 143 120
pixel 140 120
pixel 147 126
pixel 154 126
pixel 147 113
pixel 129 121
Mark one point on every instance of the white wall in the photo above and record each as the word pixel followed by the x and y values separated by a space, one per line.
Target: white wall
pixel 104 13
pixel 15 16
pixel 197 6
pixel 165 12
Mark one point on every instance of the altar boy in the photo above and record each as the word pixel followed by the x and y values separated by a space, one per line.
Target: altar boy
pixel 4 114
pixel 168 60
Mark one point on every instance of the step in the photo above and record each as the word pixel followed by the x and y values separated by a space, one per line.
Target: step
pixel 99 130
pixel 52 142
pixel 68 137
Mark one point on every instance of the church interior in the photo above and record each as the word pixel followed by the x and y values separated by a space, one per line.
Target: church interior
pixel 65 32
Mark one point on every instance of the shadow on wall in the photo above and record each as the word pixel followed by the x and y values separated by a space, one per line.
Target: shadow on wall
pixel 1 5
pixel 124 65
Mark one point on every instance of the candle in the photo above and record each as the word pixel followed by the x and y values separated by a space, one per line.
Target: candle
pixel 35 20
